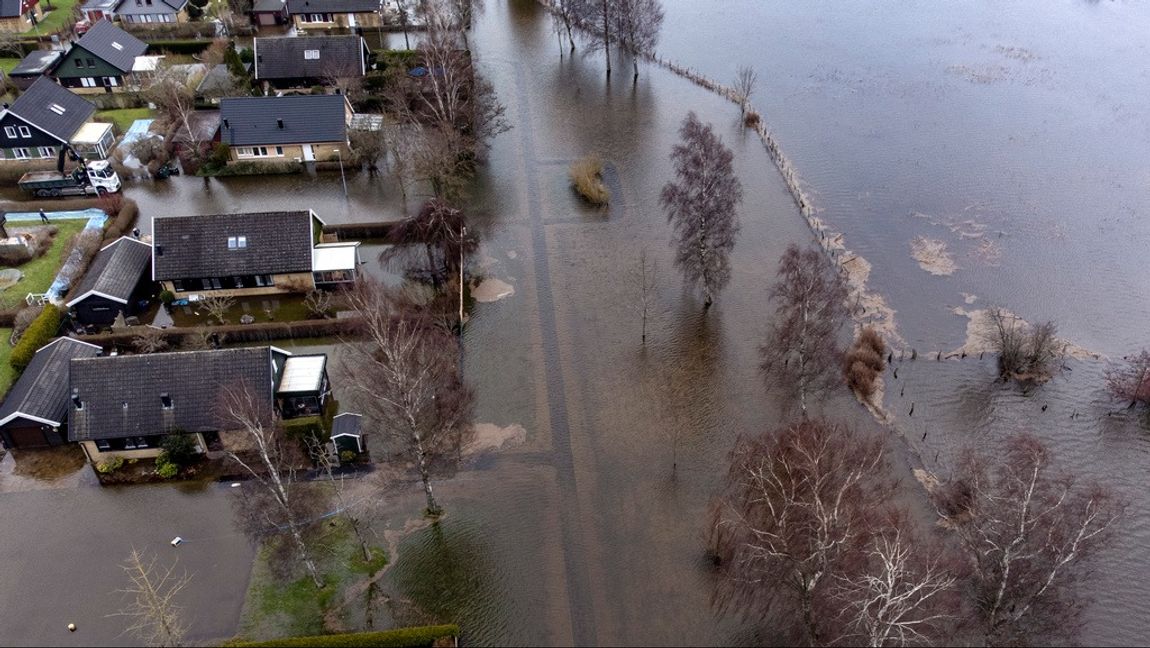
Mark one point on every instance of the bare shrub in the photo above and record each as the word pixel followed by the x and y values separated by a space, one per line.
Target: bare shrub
pixel 587 178
pixel 871 338
pixel 861 378
pixel 217 306
pixel 1025 352
pixel 319 303
pixel 1130 381
pixel 150 340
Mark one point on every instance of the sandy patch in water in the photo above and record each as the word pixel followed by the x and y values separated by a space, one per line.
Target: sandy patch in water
pixel 980 332
pixel 490 437
pixel 932 256
pixel 491 290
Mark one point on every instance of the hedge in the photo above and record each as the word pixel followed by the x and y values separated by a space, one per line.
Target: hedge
pixel 183 46
pixel 40 332
pixel 261 332
pixel 250 167
pixel 401 638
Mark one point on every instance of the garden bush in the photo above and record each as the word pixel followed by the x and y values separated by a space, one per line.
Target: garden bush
pixel 180 449
pixel 167 297
pixel 110 465
pixel 40 332
pixel 165 467
pixel 587 178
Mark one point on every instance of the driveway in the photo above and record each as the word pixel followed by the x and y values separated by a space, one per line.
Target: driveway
pixel 61 550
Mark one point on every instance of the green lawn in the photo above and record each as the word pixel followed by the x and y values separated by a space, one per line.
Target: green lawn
pixel 123 117
pixel 7 64
pixel 39 273
pixel 7 373
pixel 54 20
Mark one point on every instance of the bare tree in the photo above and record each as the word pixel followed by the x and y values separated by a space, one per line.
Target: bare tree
pixel 10 44
pixel 1027 531
pixel 637 25
pixel 701 205
pixel 645 278
pixel 797 506
pixel 347 508
pixel 1025 352
pixel 801 353
pixel 217 306
pixel 346 76
pixel 745 80
pixel 1130 380
pixel 242 410
pixel 150 340
pixel 369 146
pixel 565 15
pixel 169 89
pixel 440 230
pixel 156 619
pixel 319 302
pixel 405 371
pixel 905 595
pixel 596 19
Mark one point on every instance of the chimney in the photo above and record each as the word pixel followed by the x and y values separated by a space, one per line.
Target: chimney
pixel 159 250
pixel 79 404
pixel 166 400
pixel 280 123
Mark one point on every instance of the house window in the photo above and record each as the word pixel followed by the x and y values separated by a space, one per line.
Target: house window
pixel 88 82
pixel 111 82
pixel 280 151
pixel 215 282
pixel 178 284
pixel 46 152
pixel 91 63
pixel 21 153
pixel 237 242
pixel 264 280
pixel 103 445
pixel 311 55
pixel 10 131
pixel 24 132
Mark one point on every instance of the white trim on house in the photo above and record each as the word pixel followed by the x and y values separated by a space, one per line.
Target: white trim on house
pixel 15 415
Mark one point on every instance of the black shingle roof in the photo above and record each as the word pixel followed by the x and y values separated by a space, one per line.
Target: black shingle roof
pixel 115 271
pixel 52 108
pixel 346 423
pixel 36 62
pixel 191 247
pixel 42 390
pixel 114 45
pixel 130 8
pixel 332 6
pixel 285 58
pixel 307 119
pixel 121 395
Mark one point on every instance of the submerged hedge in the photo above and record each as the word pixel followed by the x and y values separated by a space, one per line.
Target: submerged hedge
pixel 401 638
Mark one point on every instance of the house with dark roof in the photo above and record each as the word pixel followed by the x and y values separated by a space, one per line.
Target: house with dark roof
pixel 124 405
pixel 35 410
pixel 33 66
pixel 47 116
pixel 326 14
pixel 306 61
pixel 96 10
pixel 117 281
pixel 101 60
pixel 269 12
pixel 19 15
pixel 304 128
pixel 152 12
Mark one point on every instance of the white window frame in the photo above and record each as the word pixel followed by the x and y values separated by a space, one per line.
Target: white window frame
pixel 10 132
pixel 88 82
pixel 21 153
pixel 25 131
pixel 46 152
pixel 241 242
pixel 110 82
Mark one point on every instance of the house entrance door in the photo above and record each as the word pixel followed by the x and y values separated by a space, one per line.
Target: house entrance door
pixel 308 153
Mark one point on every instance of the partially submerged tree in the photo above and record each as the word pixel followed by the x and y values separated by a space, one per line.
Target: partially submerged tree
pixel 701 205
pixel 150 339
pixel 405 371
pixel 1026 352
pixel 217 306
pixel 797 507
pixel 1130 381
pixel 745 80
pixel 566 15
pixel 262 452
pixel 645 278
pixel 156 618
pixel 440 231
pixel 1027 531
pixel 801 353
pixel 637 25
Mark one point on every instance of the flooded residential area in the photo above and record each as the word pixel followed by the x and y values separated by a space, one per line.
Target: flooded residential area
pixel 808 323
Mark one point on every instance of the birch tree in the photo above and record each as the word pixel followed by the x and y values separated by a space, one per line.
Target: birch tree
pixel 156 618
pixel 701 205
pixel 566 15
pixel 404 371
pixel 745 80
pixel 1027 531
pixel 796 507
pixel 637 25
pixel 243 411
pixel 801 353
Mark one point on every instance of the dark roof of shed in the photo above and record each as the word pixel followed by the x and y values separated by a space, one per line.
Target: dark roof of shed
pixel 121 395
pixel 42 390
pixel 37 62
pixel 283 57
pixel 204 124
pixel 189 247
pixel 115 271
pixel 114 45
pixel 346 423
pixel 332 6
pixel 36 107
pixel 128 7
pixel 248 121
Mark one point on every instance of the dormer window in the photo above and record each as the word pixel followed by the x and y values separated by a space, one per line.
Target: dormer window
pixel 118 46
pixel 311 55
pixel 237 242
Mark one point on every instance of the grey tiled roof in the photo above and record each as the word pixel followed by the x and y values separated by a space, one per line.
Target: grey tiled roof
pixel 332 6
pixel 10 8
pixel 307 119
pixel 129 7
pixel 36 107
pixel 190 247
pixel 114 45
pixel 36 62
pixel 267 5
pixel 283 57
pixel 115 271
pixel 121 395
pixel 346 423
pixel 42 390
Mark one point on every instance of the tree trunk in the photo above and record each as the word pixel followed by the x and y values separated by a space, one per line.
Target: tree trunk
pixel 635 63
pixel 606 39
pixel 305 555
pixel 433 507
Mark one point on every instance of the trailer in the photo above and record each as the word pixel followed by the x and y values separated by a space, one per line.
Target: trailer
pixel 96 177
